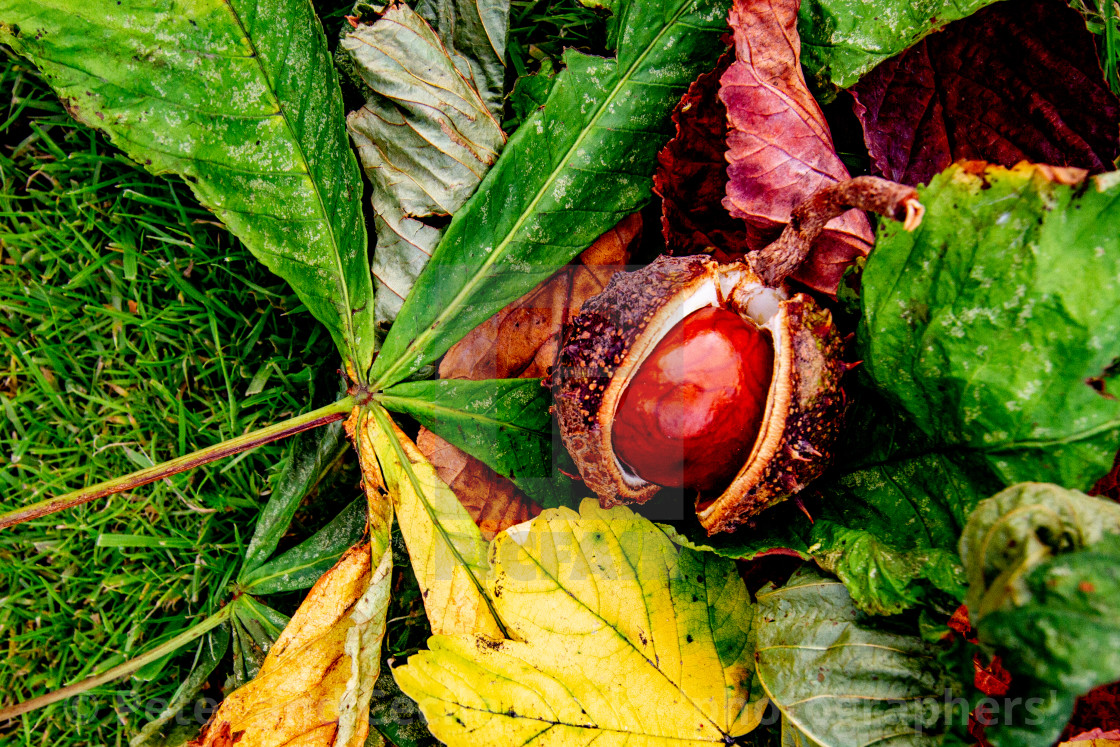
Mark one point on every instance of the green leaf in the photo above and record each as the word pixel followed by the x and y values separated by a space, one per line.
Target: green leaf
pixel 843 39
pixel 622 638
pixel 1060 642
pixel 881 578
pixel 994 323
pixel 313 454
pixel 301 567
pixel 240 99
pixel 425 139
pixel 841 679
pixel 530 92
pixel 211 650
pixel 886 517
pixel 503 422
pixel 572 171
pixel 475 31
pixel 1019 528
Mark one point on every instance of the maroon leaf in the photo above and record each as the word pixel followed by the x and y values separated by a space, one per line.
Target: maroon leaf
pixel 691 178
pixel 1096 711
pixel 779 149
pixel 1015 81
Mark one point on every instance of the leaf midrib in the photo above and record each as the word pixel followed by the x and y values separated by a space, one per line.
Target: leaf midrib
pixel 420 341
pixel 336 254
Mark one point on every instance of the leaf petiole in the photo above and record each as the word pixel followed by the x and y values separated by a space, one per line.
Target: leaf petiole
pixel 332 412
pixel 157 653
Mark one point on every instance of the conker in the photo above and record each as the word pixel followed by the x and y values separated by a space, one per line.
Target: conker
pixel 716 377
pixel 693 410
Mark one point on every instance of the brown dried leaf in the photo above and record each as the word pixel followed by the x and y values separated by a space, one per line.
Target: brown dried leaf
pixel 492 500
pixel 1013 82
pixel 779 149
pixel 305 692
pixel 520 340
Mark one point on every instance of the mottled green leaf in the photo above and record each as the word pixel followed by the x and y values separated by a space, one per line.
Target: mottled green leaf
pixel 301 567
pixel 313 454
pixel 211 650
pixel 240 99
pixel 882 578
pixel 843 39
pixel 841 679
pixel 504 423
pixel 621 638
pixel 530 92
pixel 994 323
pixel 475 31
pixel 1060 640
pixel 572 171
pixel 1017 529
pixel 425 139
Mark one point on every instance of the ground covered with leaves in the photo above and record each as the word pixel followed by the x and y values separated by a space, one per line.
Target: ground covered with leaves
pixel 444 195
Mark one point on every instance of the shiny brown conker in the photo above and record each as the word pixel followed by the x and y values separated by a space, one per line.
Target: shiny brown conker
pixel 691 413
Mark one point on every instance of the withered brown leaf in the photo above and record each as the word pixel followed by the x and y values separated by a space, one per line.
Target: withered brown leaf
pixel 520 341
pixel 1014 82
pixel 779 148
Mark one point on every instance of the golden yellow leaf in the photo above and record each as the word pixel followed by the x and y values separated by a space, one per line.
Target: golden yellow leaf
pixel 314 687
pixel 447 550
pixel 626 638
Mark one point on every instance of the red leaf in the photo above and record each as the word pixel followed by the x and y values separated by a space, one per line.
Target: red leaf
pixel 1096 710
pixel 691 178
pixel 779 149
pixel 992 679
pixel 1015 81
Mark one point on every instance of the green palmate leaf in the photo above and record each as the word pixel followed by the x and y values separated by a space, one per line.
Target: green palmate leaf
pixel 313 454
pixel 1060 640
pixel 241 100
pixel 255 627
pixel 572 171
pixel 1019 528
pixel 839 679
pixel 505 423
pixel 843 39
pixel 994 323
pixel 886 517
pixel 475 31
pixel 622 638
pixel 425 138
pixel 301 567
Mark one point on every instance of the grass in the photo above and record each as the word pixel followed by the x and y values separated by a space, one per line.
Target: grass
pixel 136 329
pixel 133 329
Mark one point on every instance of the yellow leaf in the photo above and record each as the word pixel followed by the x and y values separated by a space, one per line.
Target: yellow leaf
pixel 625 639
pixel 447 550
pixel 314 687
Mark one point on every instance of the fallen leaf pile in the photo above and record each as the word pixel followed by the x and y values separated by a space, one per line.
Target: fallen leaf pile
pixel 951 562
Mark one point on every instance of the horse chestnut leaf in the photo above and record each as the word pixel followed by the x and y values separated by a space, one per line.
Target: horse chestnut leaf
pixel 693 409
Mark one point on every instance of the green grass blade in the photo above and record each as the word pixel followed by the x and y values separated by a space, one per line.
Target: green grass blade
pixel 251 440
pixel 241 100
pixel 571 172
pixel 157 653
